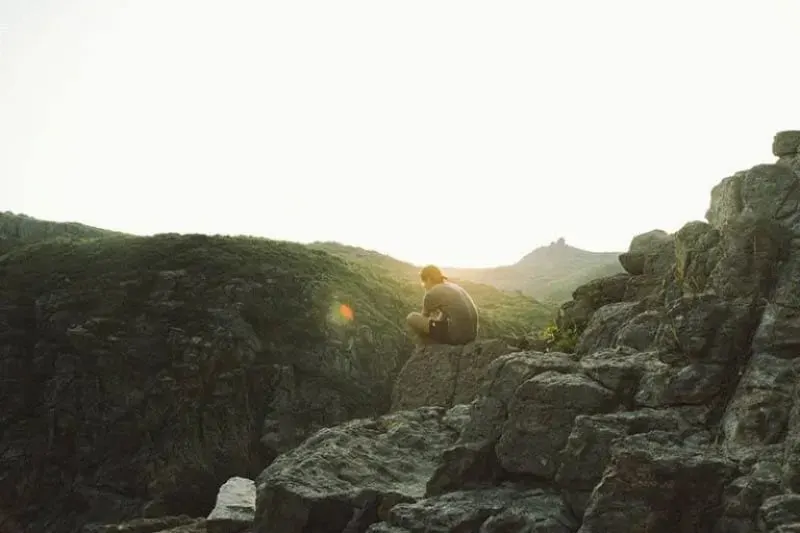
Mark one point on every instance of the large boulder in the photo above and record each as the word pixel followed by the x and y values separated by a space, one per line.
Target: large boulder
pixel 349 476
pixel 488 510
pixel 235 508
pixel 444 375
pixel 649 253
pixel 656 484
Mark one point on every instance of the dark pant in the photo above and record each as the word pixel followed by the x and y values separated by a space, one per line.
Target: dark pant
pixel 439 331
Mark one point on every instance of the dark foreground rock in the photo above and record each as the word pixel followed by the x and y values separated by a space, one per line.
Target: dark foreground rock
pixel 171 524
pixel 138 374
pixel 348 477
pixel 489 510
pixel 235 508
pixel 442 375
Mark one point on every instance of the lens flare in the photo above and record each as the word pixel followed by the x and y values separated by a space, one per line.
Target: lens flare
pixel 346 312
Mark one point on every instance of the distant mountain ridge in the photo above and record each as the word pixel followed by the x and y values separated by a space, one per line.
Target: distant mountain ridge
pixel 504 312
pixel 548 273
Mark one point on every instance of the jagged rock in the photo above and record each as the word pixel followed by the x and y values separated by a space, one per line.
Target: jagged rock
pixel 621 371
pixel 589 297
pixel 791 452
pixel 706 328
pixel 638 291
pixel 489 510
pixel 779 511
pixel 173 524
pixel 649 253
pixel 349 476
pixel 744 495
pixel 632 263
pixel 639 333
pixel 503 378
pixel 692 384
pixel 604 326
pixel 588 448
pixel 696 253
pixel 293 393
pixel 726 201
pixel 540 417
pixel 786 143
pixel 235 507
pixel 770 191
pixel 656 485
pixel 472 461
pixel 443 375
pixel 779 331
pixel 758 413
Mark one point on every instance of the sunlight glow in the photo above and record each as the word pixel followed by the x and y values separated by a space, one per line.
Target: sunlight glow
pixel 494 127
pixel 346 312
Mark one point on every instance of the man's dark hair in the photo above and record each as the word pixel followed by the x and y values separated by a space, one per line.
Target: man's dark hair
pixel 432 273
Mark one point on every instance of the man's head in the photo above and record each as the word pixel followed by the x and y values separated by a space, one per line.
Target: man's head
pixel 431 275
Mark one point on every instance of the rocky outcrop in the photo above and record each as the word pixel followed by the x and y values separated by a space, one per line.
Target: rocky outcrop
pixel 489 510
pixel 677 412
pixel 138 374
pixel 348 477
pixel 235 508
pixel 443 375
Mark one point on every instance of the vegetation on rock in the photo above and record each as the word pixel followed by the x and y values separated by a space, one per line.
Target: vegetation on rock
pixel 161 366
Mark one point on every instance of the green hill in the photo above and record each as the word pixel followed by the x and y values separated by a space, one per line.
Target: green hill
pixel 549 273
pixel 159 366
pixel 502 311
pixel 16 229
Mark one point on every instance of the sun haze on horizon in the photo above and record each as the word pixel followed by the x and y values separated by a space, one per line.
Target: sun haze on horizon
pixel 456 133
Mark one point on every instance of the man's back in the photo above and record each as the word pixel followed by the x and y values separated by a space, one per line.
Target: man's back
pixel 456 304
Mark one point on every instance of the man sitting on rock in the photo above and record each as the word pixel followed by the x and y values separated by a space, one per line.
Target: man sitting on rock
pixel 448 316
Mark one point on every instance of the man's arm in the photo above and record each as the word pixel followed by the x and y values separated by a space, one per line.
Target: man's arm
pixel 431 306
pixel 426 304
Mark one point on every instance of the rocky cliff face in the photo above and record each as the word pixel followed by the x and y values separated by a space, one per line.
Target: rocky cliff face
pixel 678 411
pixel 138 374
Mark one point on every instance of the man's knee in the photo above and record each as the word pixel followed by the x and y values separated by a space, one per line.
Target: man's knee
pixel 418 322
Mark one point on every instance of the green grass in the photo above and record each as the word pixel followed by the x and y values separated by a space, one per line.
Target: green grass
pixel 501 312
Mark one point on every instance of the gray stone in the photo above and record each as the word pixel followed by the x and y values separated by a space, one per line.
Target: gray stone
pixel 351 474
pixel 655 484
pixel 540 419
pixel 235 508
pixel 786 143
pixel 488 510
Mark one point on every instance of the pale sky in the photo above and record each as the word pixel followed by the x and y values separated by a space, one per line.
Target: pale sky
pixel 504 124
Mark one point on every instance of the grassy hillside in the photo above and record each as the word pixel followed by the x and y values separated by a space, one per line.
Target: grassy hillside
pixel 153 362
pixel 502 312
pixel 549 274
pixel 16 229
